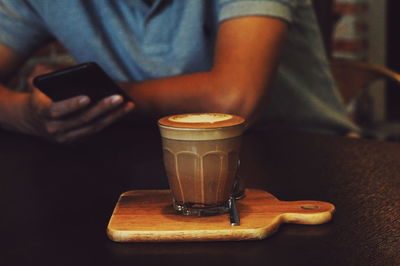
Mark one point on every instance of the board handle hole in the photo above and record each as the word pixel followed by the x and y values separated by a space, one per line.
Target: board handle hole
pixel 309 207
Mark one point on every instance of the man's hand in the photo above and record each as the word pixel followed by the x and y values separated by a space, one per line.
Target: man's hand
pixel 69 120
pixel 63 122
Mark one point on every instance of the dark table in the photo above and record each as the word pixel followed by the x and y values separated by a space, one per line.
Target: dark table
pixel 56 200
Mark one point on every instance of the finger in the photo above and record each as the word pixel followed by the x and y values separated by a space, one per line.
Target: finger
pixel 103 107
pixel 58 127
pixel 39 99
pixel 81 119
pixel 62 108
pixel 97 126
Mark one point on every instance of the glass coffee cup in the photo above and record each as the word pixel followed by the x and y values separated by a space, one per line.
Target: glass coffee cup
pixel 201 157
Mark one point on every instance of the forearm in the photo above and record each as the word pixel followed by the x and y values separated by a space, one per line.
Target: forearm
pixel 211 91
pixel 199 92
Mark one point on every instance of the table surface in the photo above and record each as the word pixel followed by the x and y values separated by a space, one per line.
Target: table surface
pixel 56 200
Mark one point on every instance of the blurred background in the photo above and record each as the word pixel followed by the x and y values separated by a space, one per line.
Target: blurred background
pixel 366 31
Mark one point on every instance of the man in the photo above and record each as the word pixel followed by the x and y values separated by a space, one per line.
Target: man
pixel 261 59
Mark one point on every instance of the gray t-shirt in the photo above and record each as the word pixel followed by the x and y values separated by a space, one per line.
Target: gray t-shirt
pixel 133 41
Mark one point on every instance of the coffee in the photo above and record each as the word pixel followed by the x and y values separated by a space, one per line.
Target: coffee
pixel 201 154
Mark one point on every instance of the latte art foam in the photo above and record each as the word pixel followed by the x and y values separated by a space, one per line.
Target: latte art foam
pixel 200 118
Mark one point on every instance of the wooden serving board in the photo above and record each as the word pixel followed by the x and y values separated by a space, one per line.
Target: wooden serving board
pixel 148 216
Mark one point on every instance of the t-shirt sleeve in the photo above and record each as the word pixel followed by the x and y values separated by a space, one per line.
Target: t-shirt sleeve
pixel 21 28
pixel 282 9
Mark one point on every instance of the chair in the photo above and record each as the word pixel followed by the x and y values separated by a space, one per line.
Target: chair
pixel 354 79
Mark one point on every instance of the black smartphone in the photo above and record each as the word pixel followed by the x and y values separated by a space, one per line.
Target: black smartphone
pixel 83 79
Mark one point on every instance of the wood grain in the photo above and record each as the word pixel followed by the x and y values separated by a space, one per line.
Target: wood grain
pixel 148 216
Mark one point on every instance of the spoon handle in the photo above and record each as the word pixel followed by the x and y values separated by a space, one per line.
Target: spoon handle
pixel 233 211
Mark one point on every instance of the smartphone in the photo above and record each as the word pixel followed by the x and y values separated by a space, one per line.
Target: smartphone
pixel 83 79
